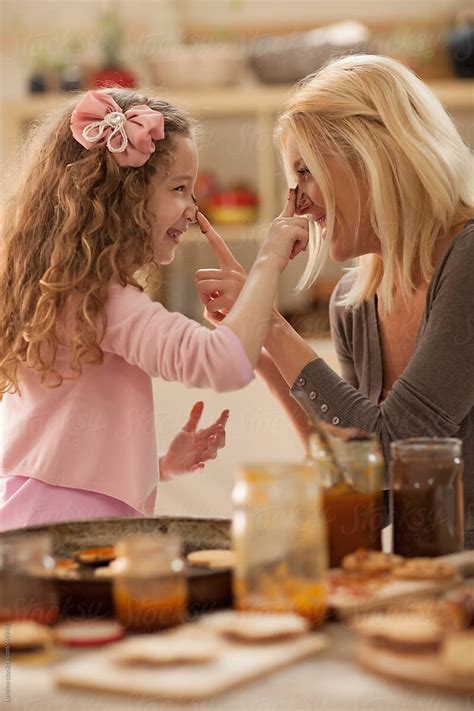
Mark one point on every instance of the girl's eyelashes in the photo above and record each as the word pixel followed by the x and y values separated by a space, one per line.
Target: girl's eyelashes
pixel 303 171
pixel 181 188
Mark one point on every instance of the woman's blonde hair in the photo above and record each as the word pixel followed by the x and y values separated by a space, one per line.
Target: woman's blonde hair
pixel 379 119
pixel 74 221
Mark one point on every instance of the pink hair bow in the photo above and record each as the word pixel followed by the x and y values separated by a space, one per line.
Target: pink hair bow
pixel 99 121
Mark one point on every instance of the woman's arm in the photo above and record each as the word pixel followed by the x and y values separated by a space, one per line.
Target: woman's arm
pixel 288 350
pixel 278 386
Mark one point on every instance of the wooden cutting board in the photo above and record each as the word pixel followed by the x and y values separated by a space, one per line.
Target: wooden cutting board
pixel 237 664
pixel 393 590
pixel 417 668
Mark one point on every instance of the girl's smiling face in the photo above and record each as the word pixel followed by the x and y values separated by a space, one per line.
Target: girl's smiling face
pixel 171 204
pixel 353 235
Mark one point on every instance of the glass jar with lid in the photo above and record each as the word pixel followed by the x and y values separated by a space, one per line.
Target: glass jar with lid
pixel 428 501
pixel 351 491
pixel 279 539
pixel 150 587
pixel 27 587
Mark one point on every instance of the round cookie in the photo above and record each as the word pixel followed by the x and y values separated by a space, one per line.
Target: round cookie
pixel 367 561
pixel 257 626
pixel 400 631
pixel 166 650
pixel 423 569
pixel 22 635
pixel 217 558
pixel 458 654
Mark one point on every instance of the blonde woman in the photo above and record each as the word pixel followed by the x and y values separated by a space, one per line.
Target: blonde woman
pixel 384 173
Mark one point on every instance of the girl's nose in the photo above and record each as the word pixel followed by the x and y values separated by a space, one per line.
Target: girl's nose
pixel 192 210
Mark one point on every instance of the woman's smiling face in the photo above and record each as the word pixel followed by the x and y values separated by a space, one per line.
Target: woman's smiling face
pixel 353 235
pixel 171 204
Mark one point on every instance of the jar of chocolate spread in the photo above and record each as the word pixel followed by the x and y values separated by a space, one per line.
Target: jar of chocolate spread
pixel 428 501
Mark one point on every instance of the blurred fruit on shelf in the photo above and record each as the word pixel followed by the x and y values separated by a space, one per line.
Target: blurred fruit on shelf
pixel 113 71
pixel 113 76
pixel 206 185
pixel 237 205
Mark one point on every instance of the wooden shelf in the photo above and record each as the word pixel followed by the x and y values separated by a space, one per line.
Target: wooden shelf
pixel 242 100
pixel 258 101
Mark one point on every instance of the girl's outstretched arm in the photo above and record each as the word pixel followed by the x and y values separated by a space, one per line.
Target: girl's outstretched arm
pixel 250 316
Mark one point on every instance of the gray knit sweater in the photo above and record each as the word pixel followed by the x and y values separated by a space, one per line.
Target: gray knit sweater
pixel 434 396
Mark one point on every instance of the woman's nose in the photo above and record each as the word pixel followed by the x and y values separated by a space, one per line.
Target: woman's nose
pixel 302 202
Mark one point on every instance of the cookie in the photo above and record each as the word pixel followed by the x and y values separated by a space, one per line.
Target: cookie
pixel 113 568
pixel 23 635
pixel 407 632
pixel 66 564
pixel 164 650
pixel 373 562
pixel 88 633
pixel 458 654
pixel 423 569
pixel 217 558
pixel 96 556
pixel 447 615
pixel 257 626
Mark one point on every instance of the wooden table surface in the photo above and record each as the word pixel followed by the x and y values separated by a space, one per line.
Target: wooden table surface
pixel 330 681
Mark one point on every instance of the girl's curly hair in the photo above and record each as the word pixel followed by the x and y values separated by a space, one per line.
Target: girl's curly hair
pixel 75 220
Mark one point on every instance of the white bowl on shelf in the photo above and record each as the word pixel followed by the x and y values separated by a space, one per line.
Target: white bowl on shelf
pixel 200 65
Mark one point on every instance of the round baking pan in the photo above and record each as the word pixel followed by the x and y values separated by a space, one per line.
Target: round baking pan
pixel 91 596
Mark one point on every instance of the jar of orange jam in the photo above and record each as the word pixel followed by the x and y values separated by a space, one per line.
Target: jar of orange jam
pixel 279 538
pixel 352 504
pixel 150 588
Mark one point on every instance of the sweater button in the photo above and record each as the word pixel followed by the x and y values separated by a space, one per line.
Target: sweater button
pixel 324 408
pixel 301 382
pixel 312 395
pixel 335 420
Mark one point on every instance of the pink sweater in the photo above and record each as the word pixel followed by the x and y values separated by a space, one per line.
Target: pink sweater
pixel 97 432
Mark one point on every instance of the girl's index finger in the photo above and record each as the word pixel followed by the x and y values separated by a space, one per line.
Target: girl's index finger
pixel 224 256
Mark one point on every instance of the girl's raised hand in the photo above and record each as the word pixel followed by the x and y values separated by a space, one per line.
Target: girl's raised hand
pixel 191 448
pixel 288 234
pixel 218 289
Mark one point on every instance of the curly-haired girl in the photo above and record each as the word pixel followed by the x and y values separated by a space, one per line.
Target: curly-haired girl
pixel 107 190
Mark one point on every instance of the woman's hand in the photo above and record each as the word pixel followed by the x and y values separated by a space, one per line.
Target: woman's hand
pixel 191 448
pixel 288 235
pixel 218 289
